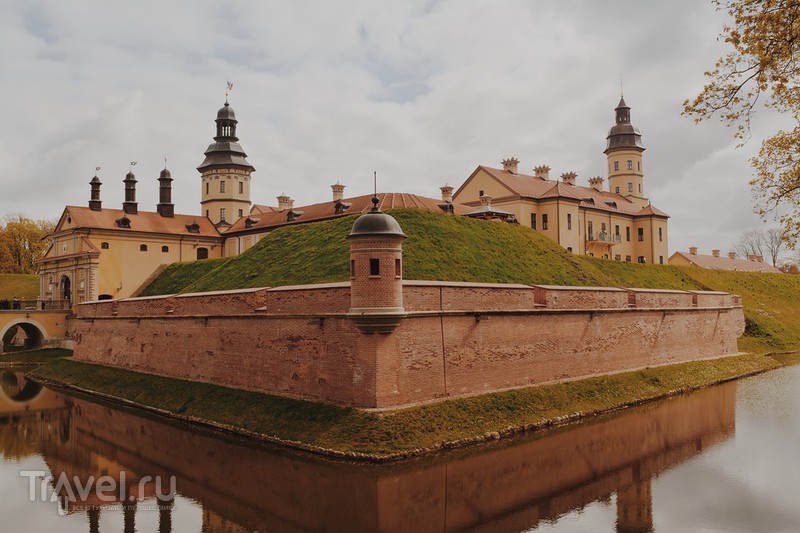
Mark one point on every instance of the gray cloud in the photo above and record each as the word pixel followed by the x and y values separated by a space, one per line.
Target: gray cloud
pixel 420 91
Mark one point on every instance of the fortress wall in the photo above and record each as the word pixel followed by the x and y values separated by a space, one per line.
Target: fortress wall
pixel 283 348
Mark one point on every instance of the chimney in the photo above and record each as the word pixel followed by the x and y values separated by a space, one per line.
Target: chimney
pixel 284 202
pixel 511 164
pixel 596 183
pixel 693 250
pixel 715 253
pixel 486 200
pixel 731 255
pixel 94 202
pixel 447 193
pixel 129 205
pixel 756 258
pixel 569 177
pixel 165 206
pixel 542 171
pixel 338 192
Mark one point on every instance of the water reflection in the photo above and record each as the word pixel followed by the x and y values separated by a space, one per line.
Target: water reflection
pixel 507 486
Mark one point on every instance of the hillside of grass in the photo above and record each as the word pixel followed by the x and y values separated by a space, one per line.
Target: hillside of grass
pixel 26 286
pixel 441 247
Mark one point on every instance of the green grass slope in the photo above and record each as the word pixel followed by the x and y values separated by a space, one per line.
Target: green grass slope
pixel 442 247
pixel 26 286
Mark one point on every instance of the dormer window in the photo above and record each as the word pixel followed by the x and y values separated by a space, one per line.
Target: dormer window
pixel 293 215
pixel 194 227
pixel 612 204
pixel 249 222
pixel 124 222
pixel 447 208
pixel 340 207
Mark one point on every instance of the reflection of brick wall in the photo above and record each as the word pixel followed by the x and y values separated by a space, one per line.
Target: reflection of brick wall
pixel 458 339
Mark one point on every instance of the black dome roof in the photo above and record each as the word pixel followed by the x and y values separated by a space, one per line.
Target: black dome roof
pixel 376 223
pixel 226 113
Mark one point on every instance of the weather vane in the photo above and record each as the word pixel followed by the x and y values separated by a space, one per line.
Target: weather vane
pixel 133 164
pixel 228 89
pixel 96 170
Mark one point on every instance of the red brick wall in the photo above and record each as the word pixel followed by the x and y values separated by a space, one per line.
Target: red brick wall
pixel 296 341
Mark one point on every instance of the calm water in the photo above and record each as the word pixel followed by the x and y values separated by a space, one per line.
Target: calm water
pixel 723 459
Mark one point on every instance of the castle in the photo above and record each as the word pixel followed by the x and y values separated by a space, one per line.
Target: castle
pixel 97 253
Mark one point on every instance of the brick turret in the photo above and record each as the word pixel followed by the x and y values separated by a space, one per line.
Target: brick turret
pixel 376 272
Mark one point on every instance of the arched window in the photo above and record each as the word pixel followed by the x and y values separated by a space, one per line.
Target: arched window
pixel 142 247
pixel 165 249
pixel 104 245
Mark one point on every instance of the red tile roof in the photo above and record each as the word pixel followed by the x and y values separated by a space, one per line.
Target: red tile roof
pixel 145 221
pixel 272 218
pixel 726 263
pixel 535 187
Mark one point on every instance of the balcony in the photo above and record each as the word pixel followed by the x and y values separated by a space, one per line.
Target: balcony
pixel 604 236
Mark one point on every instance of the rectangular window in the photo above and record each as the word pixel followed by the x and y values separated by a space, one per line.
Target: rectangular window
pixel 617 257
pixel 616 190
pixel 603 227
pixel 660 235
pixel 352 268
pixel 241 187
pixel 641 259
pixel 241 213
pixel 398 268
pixel 222 213
pixel 641 234
pixel 374 266
pixel 616 230
pixel 569 221
pixel 630 164
pixel 630 187
pixel 628 258
pixel 206 213
pixel 221 186
pixel 640 187
pixel 544 221
pixel 660 259
pixel 207 187
pixel 628 233
pixel 639 166
pixel 480 193
pixel 616 165
pixel 590 231
pixel 569 249
pixel 533 220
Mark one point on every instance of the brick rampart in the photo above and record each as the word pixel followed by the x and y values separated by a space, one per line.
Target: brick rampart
pixel 458 339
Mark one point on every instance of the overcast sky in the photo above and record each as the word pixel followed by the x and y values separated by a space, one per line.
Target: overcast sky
pixel 421 91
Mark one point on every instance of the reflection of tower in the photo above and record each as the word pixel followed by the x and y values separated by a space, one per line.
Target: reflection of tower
pixel 635 506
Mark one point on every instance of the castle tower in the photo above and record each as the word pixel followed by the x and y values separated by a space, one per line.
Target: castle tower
pixel 225 173
pixel 624 153
pixel 376 272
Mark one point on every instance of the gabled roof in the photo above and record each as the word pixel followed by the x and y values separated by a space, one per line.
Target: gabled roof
pixel 726 263
pixel 143 221
pixel 535 187
pixel 273 218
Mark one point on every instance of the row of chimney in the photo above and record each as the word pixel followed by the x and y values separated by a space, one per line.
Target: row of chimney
pixel 165 207
pixel 543 172
pixel 731 255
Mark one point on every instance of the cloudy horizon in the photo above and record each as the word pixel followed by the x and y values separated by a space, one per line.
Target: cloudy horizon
pixel 420 91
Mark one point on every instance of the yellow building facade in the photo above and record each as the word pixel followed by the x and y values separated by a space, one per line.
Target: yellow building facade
pixel 618 224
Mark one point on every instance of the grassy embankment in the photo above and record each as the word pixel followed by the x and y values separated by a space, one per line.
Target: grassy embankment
pixel 441 247
pixel 33 357
pixel 25 286
pixel 455 249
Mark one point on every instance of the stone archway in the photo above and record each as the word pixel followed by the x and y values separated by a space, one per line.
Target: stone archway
pixel 32 335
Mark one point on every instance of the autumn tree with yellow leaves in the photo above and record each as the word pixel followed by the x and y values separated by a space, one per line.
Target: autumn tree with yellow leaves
pixel 763 68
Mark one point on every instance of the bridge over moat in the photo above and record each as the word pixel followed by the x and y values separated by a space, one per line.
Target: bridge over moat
pixel 32 324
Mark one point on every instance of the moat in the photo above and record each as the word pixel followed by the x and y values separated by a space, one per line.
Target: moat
pixel 721 459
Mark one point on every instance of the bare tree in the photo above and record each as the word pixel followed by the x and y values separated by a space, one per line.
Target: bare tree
pixel 751 243
pixel 774 241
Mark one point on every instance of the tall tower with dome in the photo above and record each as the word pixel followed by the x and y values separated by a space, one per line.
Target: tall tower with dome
pixel 624 152
pixel 225 174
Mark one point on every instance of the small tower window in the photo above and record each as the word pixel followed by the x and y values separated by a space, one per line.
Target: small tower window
pixel 241 213
pixel 221 186
pixel 616 165
pixel 660 234
pixel 374 267
pixel 165 249
pixel 398 268
pixel 222 213
pixel 142 247
pixel 630 164
pixel 569 220
pixel 630 187
pixel 639 166
pixel 640 187
pixel 352 269
pixel 241 188
pixel 207 187
pixel 104 245
pixel 616 190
